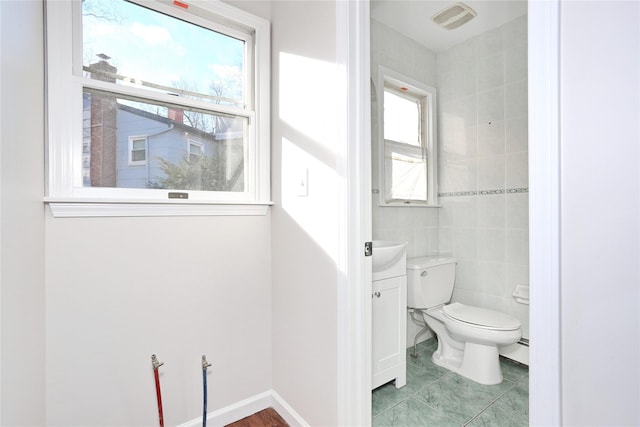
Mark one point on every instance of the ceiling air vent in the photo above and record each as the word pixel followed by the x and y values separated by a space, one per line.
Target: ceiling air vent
pixel 454 16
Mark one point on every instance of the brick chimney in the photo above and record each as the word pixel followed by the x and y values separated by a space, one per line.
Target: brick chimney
pixel 177 115
pixel 103 128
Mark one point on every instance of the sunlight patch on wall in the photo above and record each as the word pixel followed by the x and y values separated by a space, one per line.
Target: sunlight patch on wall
pixel 309 116
pixel 308 94
pixel 320 224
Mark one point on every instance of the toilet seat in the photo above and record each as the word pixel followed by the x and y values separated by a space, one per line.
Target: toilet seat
pixel 480 317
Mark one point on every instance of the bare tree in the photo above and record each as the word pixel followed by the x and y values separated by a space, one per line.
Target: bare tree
pixel 107 10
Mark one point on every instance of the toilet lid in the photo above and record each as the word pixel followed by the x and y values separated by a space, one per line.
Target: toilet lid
pixel 481 317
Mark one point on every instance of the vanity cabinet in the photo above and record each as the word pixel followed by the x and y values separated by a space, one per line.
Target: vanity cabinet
pixel 389 308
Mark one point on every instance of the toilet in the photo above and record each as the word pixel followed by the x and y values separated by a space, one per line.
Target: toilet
pixel 469 337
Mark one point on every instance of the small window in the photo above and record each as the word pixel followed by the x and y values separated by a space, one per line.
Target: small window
pixel 407 141
pixel 137 151
pixel 147 91
pixel 196 151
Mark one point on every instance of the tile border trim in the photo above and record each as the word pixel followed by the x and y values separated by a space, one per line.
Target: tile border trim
pixel 485 192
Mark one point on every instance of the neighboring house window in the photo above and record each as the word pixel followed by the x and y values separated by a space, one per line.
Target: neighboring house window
pixel 137 151
pixel 196 150
pixel 171 73
pixel 407 143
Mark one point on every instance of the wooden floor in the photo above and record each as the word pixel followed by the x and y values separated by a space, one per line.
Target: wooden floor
pixel 265 418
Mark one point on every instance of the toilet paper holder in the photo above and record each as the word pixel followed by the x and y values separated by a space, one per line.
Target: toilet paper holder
pixel 521 294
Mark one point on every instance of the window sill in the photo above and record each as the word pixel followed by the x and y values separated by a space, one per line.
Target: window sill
pixel 99 208
pixel 408 205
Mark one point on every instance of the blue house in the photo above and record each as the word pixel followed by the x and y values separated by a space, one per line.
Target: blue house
pixel 127 144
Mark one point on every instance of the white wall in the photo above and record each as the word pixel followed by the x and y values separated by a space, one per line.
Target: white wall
pixel 600 306
pixel 22 284
pixel 305 229
pixel 259 8
pixel 121 289
pixel 117 289
pixel 482 85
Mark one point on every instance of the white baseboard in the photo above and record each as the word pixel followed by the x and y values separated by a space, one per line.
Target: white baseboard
pixel 287 412
pixel 250 406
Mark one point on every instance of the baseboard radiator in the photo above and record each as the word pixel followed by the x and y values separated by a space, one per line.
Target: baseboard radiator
pixel 518 351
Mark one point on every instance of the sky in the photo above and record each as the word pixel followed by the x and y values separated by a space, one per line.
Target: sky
pixel 154 47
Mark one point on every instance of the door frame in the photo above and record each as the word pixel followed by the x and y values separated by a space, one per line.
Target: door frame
pixel 354 305
pixel 545 392
pixel 354 166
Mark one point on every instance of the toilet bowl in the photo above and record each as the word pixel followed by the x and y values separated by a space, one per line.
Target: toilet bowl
pixel 471 349
pixel 469 337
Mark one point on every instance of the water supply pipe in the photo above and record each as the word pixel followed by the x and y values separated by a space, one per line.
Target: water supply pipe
pixel 205 365
pixel 155 364
pixel 420 322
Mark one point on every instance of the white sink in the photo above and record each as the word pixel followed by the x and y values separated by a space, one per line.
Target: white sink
pixel 386 254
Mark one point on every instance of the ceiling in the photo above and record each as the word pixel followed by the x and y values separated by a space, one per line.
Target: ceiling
pixel 413 19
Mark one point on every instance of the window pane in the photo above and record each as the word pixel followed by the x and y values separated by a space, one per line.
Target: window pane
pixel 133 45
pixel 138 144
pixel 195 149
pixel 407 175
pixel 401 119
pixel 111 121
pixel 138 156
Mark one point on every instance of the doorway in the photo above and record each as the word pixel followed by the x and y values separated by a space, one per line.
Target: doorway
pixel 354 29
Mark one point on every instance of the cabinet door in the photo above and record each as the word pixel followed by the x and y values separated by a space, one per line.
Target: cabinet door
pixel 386 328
pixel 388 308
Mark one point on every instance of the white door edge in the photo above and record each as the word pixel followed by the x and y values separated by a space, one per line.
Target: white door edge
pixel 545 406
pixel 354 269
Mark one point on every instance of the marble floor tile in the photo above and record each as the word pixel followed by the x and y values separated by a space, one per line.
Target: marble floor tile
pixel 460 398
pixel 435 396
pixel 418 378
pixel 386 396
pixel 499 416
pixel 513 371
pixel 412 412
pixel 516 399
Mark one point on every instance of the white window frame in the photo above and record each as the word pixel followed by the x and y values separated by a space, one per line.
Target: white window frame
pixel 428 95
pixel 65 193
pixel 132 139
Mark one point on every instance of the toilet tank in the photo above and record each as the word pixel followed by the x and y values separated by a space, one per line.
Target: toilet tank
pixel 430 281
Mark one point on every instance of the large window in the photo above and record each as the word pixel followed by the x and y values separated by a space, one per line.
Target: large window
pixel 149 99
pixel 407 141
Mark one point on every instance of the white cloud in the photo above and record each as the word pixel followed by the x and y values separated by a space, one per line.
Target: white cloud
pixel 100 29
pixel 152 34
pixel 225 72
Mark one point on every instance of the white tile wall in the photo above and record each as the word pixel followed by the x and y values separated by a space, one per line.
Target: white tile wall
pixel 487 233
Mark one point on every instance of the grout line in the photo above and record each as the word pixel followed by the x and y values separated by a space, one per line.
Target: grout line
pixel 487 407
pixel 408 396
pixel 515 383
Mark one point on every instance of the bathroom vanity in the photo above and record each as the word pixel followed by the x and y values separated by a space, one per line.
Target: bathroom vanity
pixel 389 318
